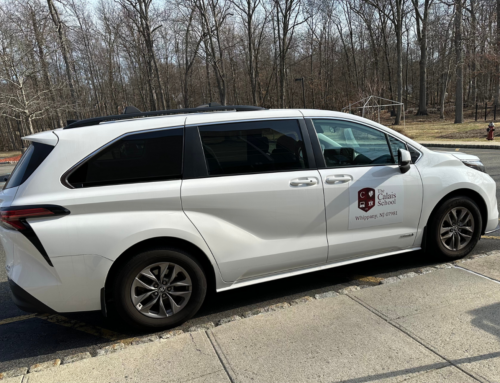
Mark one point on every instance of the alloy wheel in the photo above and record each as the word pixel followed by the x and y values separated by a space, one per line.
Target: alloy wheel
pixel 161 290
pixel 457 228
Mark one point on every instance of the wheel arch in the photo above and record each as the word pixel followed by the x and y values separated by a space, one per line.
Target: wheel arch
pixel 170 242
pixel 473 195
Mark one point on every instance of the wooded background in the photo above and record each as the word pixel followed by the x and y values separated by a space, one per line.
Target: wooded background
pixel 73 59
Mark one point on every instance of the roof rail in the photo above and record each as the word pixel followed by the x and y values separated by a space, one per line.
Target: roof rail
pixel 132 112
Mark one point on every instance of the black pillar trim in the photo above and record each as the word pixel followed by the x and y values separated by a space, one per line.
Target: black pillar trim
pixel 318 154
pixel 194 158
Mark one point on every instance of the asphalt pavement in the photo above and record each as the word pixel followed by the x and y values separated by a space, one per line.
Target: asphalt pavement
pixel 441 325
pixel 27 339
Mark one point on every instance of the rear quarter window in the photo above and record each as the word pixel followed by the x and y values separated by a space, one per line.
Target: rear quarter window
pixel 141 157
pixel 29 162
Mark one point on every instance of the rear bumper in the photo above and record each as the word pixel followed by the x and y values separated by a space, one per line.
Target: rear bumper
pixel 27 302
pixel 72 284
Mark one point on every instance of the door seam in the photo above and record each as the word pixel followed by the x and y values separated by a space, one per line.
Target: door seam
pixel 326 220
pixel 203 238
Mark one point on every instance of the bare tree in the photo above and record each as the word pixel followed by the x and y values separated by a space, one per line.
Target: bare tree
pixel 287 18
pixel 213 15
pixel 61 59
pixel 139 12
pixel 39 26
pixel 20 99
pixel 473 47
pixel 459 103
pixel 187 44
pixel 64 48
pixel 395 11
pixel 422 19
pixel 445 55
pixel 497 71
pixel 253 17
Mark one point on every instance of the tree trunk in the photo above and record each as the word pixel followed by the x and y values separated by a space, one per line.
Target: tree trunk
pixel 64 50
pixel 473 51
pixel 399 70
pixel 459 106
pixel 422 99
pixel 497 66
pixel 43 64
pixel 444 86
pixel 422 24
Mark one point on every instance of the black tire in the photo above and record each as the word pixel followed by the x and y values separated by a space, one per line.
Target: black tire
pixel 436 245
pixel 122 285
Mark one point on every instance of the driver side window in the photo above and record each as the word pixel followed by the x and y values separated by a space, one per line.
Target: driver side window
pixel 345 143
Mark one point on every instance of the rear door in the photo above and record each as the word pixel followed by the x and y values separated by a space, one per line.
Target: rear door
pixel 371 207
pixel 252 191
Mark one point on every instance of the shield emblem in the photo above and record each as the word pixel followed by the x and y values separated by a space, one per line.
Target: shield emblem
pixel 366 199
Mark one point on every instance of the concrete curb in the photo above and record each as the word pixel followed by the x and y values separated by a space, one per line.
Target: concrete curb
pixel 165 336
pixel 457 145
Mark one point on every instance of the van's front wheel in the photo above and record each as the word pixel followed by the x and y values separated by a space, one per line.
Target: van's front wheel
pixel 159 288
pixel 455 228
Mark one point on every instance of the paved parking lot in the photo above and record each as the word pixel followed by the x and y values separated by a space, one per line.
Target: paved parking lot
pixel 27 339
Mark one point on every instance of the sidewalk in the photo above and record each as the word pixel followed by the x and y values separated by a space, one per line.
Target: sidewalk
pixel 462 144
pixel 439 326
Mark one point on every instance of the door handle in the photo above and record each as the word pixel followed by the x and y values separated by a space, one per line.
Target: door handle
pixel 306 181
pixel 338 179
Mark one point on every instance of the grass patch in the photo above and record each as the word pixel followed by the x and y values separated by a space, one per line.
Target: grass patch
pixel 447 130
pixel 432 128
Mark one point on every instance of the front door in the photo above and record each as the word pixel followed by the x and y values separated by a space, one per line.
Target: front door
pixel 371 207
pixel 260 207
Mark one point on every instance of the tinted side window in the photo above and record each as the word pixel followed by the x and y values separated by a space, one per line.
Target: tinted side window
pixel 396 145
pixel 253 147
pixel 345 143
pixel 142 157
pixel 31 160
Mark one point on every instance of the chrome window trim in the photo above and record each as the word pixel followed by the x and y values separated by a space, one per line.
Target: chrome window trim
pixel 247 120
pixel 67 173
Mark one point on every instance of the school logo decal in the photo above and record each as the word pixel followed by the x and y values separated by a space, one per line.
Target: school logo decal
pixel 366 199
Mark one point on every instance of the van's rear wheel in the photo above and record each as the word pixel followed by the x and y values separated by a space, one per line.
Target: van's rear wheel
pixel 159 288
pixel 455 228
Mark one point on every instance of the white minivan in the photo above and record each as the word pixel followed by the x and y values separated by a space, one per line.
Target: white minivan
pixel 146 212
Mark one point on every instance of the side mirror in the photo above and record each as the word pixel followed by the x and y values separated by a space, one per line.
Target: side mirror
pixel 404 160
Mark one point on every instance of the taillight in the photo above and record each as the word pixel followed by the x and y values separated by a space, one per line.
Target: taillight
pixel 15 219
